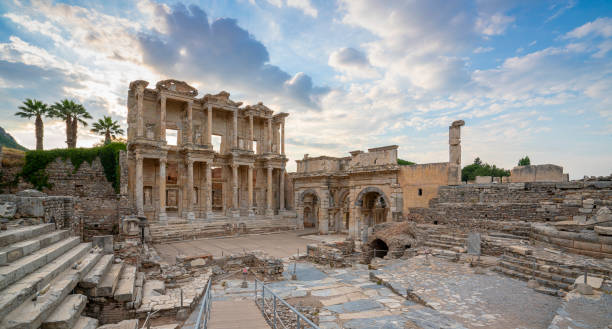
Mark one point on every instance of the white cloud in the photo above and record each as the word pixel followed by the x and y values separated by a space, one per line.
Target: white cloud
pixel 303 5
pixel 481 50
pixel 493 24
pixel 599 27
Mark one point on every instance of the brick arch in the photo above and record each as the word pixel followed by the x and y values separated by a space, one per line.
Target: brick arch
pixel 369 189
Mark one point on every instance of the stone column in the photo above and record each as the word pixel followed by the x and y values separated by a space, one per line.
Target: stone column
pixel 283 138
pixel 270 136
pixel 139 187
pixel 282 189
pixel 189 122
pixel 454 152
pixel 139 100
pixel 190 215
pixel 235 208
pixel 209 126
pixel 235 137
pixel 251 133
pixel 162 119
pixel 269 210
pixel 162 189
pixel 250 188
pixel 209 212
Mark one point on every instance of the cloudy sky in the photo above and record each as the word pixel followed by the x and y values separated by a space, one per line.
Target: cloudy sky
pixel 528 77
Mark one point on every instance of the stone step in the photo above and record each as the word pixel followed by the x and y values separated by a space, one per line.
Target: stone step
pixel 125 324
pixel 108 284
pixel 538 273
pixel 126 284
pixel 439 245
pixel 85 322
pixel 21 290
pixel 67 313
pixel 33 312
pixel 93 278
pixel 21 249
pixel 543 267
pixel 597 270
pixel 24 233
pixel 524 277
pixel 23 266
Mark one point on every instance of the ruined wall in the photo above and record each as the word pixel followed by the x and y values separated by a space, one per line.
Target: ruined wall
pixel 499 206
pixel 537 173
pixel 419 183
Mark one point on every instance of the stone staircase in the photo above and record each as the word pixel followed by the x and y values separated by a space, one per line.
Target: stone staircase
pixel 551 269
pixel 177 230
pixel 446 242
pixel 47 278
pixel 39 269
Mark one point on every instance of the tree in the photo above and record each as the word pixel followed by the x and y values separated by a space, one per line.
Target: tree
pixel 477 168
pixel 107 127
pixel 33 108
pixel 524 161
pixel 403 162
pixel 71 113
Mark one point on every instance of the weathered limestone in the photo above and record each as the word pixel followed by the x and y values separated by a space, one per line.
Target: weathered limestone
pixel 86 323
pixel 537 173
pixel 126 284
pixel 28 232
pixel 125 324
pixel 67 313
pixel 107 286
pixel 94 277
pixel 454 141
pixel 20 249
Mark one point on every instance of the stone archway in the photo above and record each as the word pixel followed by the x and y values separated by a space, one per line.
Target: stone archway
pixel 310 203
pixel 374 206
pixel 344 211
pixel 379 248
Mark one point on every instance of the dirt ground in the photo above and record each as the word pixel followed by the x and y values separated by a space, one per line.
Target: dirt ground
pixel 280 245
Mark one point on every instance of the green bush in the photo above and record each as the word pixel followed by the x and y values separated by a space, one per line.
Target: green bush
pixel 478 168
pixel 36 161
pixel 524 161
pixel 403 162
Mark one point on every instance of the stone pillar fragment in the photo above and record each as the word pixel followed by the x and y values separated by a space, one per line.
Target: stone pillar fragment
pixel 139 185
pixel 235 136
pixel 189 134
pixel 139 107
pixel 270 136
pixel 269 210
pixel 251 133
pixel 162 190
pixel 454 156
pixel 209 212
pixel 283 138
pixel 162 119
pixel 209 126
pixel 189 209
pixel 250 188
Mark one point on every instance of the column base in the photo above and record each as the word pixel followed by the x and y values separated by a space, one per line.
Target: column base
pixel 269 212
pixel 235 213
pixel 163 217
pixel 190 216
pixel 209 215
pixel 251 213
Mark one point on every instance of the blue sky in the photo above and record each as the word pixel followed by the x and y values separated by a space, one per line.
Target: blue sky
pixel 528 77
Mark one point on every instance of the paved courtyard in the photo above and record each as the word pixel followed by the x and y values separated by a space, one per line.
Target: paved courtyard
pixel 279 245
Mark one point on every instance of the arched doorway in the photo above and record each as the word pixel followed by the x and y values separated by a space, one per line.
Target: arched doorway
pixel 379 248
pixel 374 208
pixel 311 208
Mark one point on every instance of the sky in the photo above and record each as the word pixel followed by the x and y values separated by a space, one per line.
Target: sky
pixel 527 77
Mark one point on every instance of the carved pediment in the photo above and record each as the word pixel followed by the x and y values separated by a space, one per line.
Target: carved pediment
pixel 178 87
pixel 221 98
pixel 259 109
pixel 138 83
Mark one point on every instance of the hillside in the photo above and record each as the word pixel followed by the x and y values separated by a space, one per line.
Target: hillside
pixel 7 140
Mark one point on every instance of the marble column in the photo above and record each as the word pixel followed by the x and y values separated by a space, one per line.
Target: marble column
pixel 269 209
pixel 250 188
pixel 162 119
pixel 235 207
pixel 162 190
pixel 282 189
pixel 235 135
pixel 139 100
pixel 189 209
pixel 283 138
pixel 209 126
pixel 251 133
pixel 209 212
pixel 139 187
pixel 189 128
pixel 270 136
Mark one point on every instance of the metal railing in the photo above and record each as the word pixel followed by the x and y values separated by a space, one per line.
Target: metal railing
pixel 204 313
pixel 271 300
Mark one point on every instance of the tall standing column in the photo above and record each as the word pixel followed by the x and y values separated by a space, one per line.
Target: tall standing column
pixel 162 119
pixel 209 126
pixel 190 215
pixel 270 136
pixel 269 210
pixel 189 134
pixel 235 207
pixel 454 152
pixel 251 133
pixel 139 187
pixel 139 100
pixel 250 188
pixel 209 212
pixel 282 189
pixel 162 190
pixel 283 138
pixel 235 136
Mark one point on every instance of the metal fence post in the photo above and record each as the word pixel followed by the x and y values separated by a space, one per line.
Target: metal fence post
pixel 274 300
pixel 298 321
pixel 263 298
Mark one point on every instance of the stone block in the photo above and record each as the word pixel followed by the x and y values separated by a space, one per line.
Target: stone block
pixel 153 288
pixel 67 313
pixel 483 179
pixel 473 244
pixel 8 209
pixel 104 242
pixel 587 246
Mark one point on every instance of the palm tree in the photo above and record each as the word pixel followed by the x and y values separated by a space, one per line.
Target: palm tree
pixel 71 113
pixel 37 109
pixel 107 127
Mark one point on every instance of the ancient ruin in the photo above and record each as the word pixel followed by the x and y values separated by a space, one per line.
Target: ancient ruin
pixel 196 224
